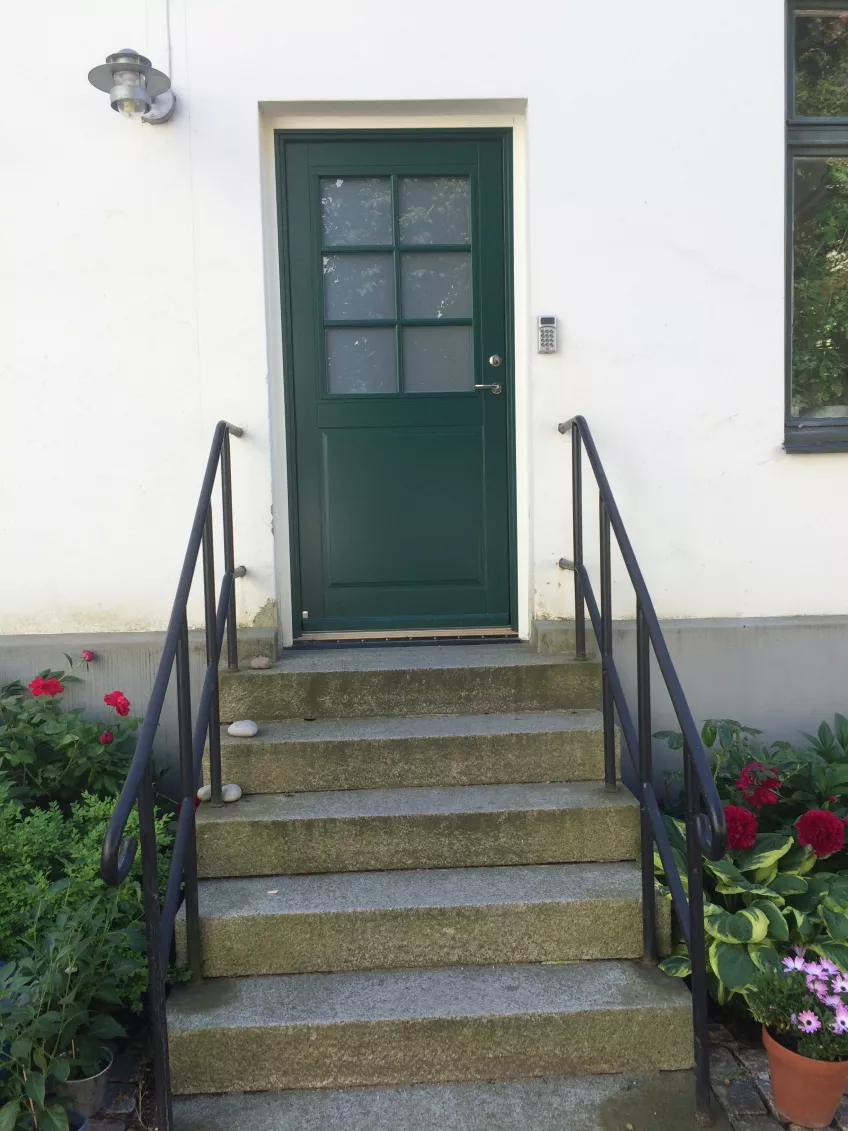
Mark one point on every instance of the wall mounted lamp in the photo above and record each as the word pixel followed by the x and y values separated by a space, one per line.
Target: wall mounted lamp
pixel 136 89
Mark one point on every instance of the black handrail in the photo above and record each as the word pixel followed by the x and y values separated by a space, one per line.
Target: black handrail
pixel 705 831
pixel 119 851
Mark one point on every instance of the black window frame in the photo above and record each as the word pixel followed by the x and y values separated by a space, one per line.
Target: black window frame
pixel 807 137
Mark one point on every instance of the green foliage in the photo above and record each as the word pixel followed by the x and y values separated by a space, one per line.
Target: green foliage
pixel 758 902
pixel 55 1001
pixel 48 754
pixel 39 850
pixel 814 777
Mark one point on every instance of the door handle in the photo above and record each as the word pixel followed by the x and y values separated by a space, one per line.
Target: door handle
pixel 496 389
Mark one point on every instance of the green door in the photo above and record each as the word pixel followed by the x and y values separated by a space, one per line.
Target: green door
pixel 396 268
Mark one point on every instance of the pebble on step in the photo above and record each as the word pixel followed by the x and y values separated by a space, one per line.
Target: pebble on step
pixel 244 728
pixel 260 662
pixel 229 793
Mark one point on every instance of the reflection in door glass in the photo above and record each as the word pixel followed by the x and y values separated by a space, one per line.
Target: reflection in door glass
pixel 356 210
pixel 358 286
pixel 437 359
pixel 361 361
pixel 436 284
pixel 434 210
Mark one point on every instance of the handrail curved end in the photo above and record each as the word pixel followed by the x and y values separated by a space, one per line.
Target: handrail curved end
pixel 712 835
pixel 116 861
pixel 234 429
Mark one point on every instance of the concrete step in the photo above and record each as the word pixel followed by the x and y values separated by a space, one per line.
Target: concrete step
pixel 442 917
pixel 433 680
pixel 655 1102
pixel 454 827
pixel 435 750
pixel 469 1023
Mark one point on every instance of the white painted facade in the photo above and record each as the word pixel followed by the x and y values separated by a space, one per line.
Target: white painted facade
pixel 139 289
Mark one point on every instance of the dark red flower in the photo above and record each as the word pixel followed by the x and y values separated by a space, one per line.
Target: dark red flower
pixel 759 784
pixel 822 830
pixel 119 701
pixel 87 655
pixel 41 686
pixel 196 805
pixel 741 827
pixel 107 737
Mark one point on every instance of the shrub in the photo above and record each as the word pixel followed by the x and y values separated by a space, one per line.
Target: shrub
pixel 49 754
pixel 785 812
pixel 50 860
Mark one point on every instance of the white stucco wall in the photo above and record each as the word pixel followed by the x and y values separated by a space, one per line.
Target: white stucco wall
pixel 137 294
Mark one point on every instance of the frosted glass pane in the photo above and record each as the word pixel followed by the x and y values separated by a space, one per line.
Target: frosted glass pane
pixel 434 210
pixel 356 210
pixel 361 361
pixel 359 286
pixel 436 284
pixel 437 359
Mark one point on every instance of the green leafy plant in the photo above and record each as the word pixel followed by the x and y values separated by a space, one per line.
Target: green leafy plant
pixel 50 754
pixel 780 883
pixel 55 1001
pixel 40 848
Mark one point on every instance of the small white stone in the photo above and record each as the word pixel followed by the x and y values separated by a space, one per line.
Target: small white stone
pixel 230 792
pixel 260 662
pixel 204 793
pixel 244 728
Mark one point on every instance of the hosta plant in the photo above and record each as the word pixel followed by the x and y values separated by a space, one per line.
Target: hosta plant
pixel 768 893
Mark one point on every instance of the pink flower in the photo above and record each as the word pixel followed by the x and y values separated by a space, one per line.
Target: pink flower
pixel 830 1000
pixel 815 969
pixel 791 964
pixel 840 984
pixel 87 655
pixel 840 1024
pixel 808 1022
pixel 802 950
pixel 830 968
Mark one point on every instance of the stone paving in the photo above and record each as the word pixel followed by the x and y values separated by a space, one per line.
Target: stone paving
pixel 742 1085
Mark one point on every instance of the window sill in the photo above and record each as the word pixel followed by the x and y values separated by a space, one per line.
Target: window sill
pixel 810 436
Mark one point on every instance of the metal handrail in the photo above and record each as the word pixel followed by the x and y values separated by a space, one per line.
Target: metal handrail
pixel 706 833
pixel 119 851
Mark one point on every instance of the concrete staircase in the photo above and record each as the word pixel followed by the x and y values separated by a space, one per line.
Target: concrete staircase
pixel 424 884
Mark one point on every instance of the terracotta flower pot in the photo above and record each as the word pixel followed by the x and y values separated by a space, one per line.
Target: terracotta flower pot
pixel 806 1092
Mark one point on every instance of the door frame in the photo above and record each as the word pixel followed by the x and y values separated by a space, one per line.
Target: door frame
pixel 280 137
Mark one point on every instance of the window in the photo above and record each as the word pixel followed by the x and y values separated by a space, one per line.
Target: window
pixel 817 252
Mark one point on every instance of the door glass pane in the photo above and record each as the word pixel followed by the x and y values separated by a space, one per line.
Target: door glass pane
pixel 356 210
pixel 359 286
pixel 361 361
pixel 436 284
pixel 821 64
pixel 434 210
pixel 437 359
pixel 820 288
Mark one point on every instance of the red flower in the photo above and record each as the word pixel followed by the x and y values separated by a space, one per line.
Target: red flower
pixel 87 655
pixel 107 737
pixel 759 785
pixel 119 701
pixel 41 686
pixel 822 830
pixel 741 827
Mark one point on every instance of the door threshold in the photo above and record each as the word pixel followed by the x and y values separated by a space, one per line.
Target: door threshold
pixel 407 636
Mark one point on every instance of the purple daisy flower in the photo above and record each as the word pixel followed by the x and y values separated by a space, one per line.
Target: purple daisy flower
pixel 792 964
pixel 815 969
pixel 840 1025
pixel 840 984
pixel 808 1022
pixel 830 968
pixel 800 950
